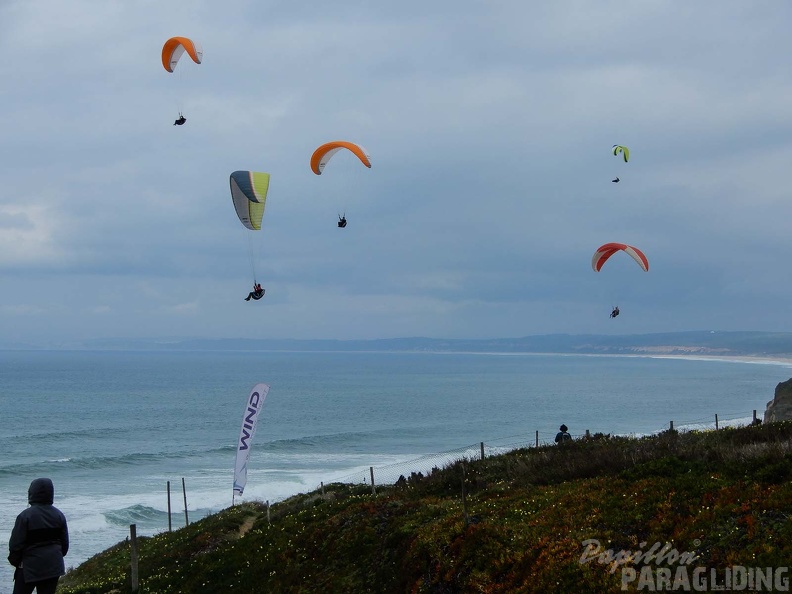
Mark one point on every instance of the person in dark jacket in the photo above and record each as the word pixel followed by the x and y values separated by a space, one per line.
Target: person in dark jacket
pixel 563 434
pixel 39 541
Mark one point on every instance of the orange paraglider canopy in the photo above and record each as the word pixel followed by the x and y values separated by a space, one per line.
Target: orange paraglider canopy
pixel 324 153
pixel 175 47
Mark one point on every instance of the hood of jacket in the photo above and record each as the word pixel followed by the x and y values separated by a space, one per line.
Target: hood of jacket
pixel 41 492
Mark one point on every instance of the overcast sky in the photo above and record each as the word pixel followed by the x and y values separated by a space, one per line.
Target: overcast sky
pixel 489 124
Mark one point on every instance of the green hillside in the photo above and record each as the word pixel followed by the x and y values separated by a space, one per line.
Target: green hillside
pixel 724 496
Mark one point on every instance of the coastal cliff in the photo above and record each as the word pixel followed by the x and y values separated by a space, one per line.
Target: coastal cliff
pixel 780 407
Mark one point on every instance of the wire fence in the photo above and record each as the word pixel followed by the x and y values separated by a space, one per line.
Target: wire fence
pixel 390 473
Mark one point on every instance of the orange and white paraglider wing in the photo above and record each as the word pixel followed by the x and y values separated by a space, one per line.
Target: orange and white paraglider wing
pixel 324 153
pixel 607 250
pixel 175 47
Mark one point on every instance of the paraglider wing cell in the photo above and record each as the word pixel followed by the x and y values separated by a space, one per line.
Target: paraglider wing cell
pixel 607 250
pixel 249 193
pixel 175 47
pixel 324 153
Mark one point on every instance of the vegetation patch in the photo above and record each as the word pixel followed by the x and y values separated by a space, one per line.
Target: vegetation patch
pixel 723 497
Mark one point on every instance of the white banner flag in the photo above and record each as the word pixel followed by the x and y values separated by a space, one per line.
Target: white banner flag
pixel 249 420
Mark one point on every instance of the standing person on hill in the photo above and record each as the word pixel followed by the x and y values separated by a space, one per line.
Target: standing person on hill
pixel 563 434
pixel 39 541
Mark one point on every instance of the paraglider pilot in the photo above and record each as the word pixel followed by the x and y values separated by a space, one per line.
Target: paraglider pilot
pixel 342 221
pixel 615 312
pixel 256 294
pixel 615 181
pixel 180 121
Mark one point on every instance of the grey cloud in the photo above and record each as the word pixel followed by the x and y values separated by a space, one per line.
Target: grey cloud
pixel 490 126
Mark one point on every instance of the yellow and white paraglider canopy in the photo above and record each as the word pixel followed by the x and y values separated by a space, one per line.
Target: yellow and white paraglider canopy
pixel 249 194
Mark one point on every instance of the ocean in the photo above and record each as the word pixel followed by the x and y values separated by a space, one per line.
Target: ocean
pixel 113 428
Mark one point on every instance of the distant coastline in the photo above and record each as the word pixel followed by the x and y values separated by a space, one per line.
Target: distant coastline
pixel 749 345
pixel 754 359
pixel 745 359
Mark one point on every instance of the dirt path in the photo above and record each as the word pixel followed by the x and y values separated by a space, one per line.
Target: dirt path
pixel 247 525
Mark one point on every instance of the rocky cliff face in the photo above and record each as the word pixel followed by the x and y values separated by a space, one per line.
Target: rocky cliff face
pixel 780 407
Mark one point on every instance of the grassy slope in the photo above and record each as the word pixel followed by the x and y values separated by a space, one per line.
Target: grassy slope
pixel 726 495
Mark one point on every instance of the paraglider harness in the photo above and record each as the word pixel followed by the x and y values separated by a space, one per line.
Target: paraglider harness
pixel 342 221
pixel 180 121
pixel 615 312
pixel 256 294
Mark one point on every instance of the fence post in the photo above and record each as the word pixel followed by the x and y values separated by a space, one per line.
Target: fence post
pixel 537 438
pixel 373 488
pixel 133 554
pixel 716 421
pixel 184 492
pixel 588 434
pixel 170 526
pixel 322 487
pixel 464 497
pixel 268 513
pixel 671 426
pixel 482 450
pixel 754 417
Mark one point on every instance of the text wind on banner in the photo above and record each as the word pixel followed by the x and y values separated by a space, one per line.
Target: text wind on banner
pixel 249 421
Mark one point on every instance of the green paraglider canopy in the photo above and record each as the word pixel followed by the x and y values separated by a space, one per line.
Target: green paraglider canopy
pixel 617 148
